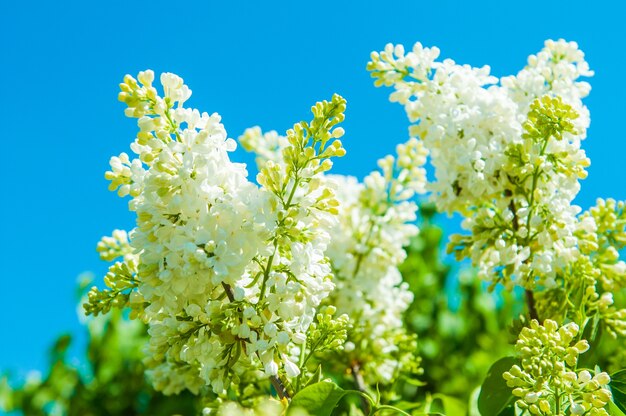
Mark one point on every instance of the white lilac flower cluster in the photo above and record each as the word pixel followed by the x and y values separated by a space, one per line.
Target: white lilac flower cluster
pixel 506 153
pixel 507 156
pixel 376 220
pixel 228 274
pixel 548 381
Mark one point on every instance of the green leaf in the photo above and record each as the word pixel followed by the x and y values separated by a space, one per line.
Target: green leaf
pixel 59 349
pixel 316 377
pixel 508 411
pixel 451 405
pixel 407 406
pixel 618 388
pixel 318 399
pixel 614 410
pixel 495 395
pixel 415 382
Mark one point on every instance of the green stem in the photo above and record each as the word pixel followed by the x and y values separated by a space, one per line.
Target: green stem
pixel 301 362
pixel 530 297
pixel 536 175
pixel 387 407
pixel 296 182
pixel 266 274
pixel 361 256
pixel 270 260
pixel 530 301
pixel 558 400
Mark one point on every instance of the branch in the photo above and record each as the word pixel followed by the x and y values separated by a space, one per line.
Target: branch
pixel 530 298
pixel 530 302
pixel 360 384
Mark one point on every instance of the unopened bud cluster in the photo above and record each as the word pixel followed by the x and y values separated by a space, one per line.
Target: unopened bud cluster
pixel 548 381
pixel 327 332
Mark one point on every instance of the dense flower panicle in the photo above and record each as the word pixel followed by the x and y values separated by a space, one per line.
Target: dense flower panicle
pixel 510 166
pixel 555 70
pixel 464 124
pixel 548 381
pixel 507 156
pixel 375 223
pixel 466 118
pixel 529 228
pixel 229 274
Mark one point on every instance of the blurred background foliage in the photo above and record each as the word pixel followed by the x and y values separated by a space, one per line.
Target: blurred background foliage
pixel 462 329
pixel 110 381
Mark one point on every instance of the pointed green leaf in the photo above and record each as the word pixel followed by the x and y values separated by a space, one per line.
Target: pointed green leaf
pixel 316 377
pixel 318 399
pixel 451 405
pixel 495 395
pixel 618 388
pixel 614 410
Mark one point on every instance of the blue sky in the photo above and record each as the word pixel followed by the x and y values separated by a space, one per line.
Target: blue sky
pixel 256 63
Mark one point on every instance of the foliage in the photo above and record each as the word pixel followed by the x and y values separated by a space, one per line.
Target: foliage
pixel 460 327
pixel 111 381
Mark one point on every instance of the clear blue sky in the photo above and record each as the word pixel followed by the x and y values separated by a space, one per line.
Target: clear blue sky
pixel 256 63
